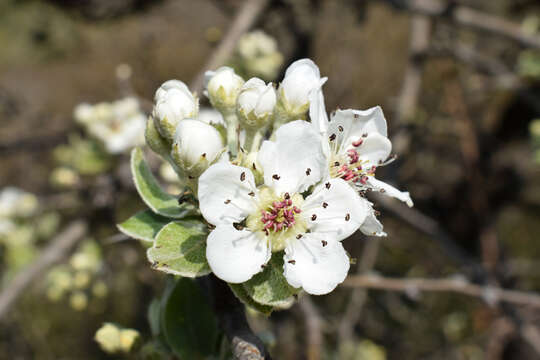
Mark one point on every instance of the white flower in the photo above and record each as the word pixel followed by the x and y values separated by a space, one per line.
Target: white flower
pixel 196 146
pixel 302 78
pixel 210 116
pixel 119 125
pixel 358 144
pixel 276 215
pixel 222 88
pixel 255 103
pixel 15 202
pixel 173 103
pixel 259 55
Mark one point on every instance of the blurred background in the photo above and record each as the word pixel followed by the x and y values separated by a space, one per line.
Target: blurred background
pixel 459 85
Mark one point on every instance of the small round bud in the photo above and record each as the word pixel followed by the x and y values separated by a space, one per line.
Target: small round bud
pixel 196 146
pixel 301 78
pixel 173 103
pixel 222 87
pixel 256 103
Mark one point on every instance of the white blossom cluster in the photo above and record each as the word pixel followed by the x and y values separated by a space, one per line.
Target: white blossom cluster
pixel 118 125
pixel 271 183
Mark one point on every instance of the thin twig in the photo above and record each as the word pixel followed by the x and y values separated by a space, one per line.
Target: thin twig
pixel 491 294
pixel 243 21
pixel 313 325
pixel 467 17
pixel 53 253
pixel 358 296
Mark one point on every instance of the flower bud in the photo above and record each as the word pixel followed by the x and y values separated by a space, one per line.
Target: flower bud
pixel 255 104
pixel 196 146
pixel 155 141
pixel 222 88
pixel 173 103
pixel 301 78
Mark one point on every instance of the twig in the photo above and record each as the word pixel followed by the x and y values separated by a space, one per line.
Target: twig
pixel 418 45
pixel 491 294
pixel 313 327
pixel 358 296
pixel 467 17
pixel 245 344
pixel 243 21
pixel 54 252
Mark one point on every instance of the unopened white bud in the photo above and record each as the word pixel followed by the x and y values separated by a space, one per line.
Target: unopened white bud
pixel 301 78
pixel 173 103
pixel 196 146
pixel 223 86
pixel 256 103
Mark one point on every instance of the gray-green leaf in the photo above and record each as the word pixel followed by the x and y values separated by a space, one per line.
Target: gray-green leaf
pixel 240 292
pixel 152 194
pixel 180 249
pixel 144 225
pixel 270 287
pixel 188 322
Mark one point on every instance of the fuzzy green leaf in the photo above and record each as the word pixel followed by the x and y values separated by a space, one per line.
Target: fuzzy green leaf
pixel 270 287
pixel 241 294
pixel 180 249
pixel 144 225
pixel 188 321
pixel 152 194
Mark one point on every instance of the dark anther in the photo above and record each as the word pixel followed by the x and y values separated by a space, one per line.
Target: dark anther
pixel 228 201
pixel 340 128
pixel 292 262
pixel 308 171
pixel 324 205
pixel 324 242
pixel 251 194
pixel 327 185
pixel 347 217
pixel 332 137
pixel 275 177
pixel 313 217
pixel 243 176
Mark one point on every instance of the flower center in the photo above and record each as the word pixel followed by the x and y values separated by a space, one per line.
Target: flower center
pixel 350 167
pixel 280 215
pixel 277 218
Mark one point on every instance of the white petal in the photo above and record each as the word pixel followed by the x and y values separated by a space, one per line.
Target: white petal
pixel 317 109
pixel 286 161
pixel 315 267
pixel 375 149
pixel 349 125
pixel 338 210
pixel 390 190
pixel 223 195
pixel 372 226
pixel 235 256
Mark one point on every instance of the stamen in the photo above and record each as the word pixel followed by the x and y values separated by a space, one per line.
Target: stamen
pixel 276 177
pixel 327 185
pixel 228 201
pixel 324 243
pixel 292 262
pixel 340 128
pixel 243 176
pixel 324 205
pixel 251 194
pixel 299 236
pixel 308 171
pixel 313 217
pixel 332 137
pixel 347 217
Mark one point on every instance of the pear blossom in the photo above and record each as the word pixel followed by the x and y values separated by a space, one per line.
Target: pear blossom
pixel 258 55
pixel 302 80
pixel 223 87
pixel 253 222
pixel 196 146
pixel 119 125
pixel 255 103
pixel 173 103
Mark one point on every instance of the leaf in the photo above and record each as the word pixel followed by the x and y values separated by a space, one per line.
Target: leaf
pixel 143 226
pixel 270 287
pixel 241 294
pixel 152 194
pixel 180 249
pixel 188 322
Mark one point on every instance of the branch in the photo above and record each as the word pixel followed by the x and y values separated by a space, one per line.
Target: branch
pixel 474 19
pixel 53 253
pixel 231 313
pixel 491 294
pixel 313 323
pixel 243 21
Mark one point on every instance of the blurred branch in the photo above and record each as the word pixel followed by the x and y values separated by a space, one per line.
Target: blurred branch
pixel 465 16
pixel 243 21
pixel 58 248
pixel 418 45
pixel 313 325
pixel 490 294
pixel 358 296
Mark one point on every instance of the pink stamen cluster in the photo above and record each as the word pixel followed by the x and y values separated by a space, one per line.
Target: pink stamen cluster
pixel 280 216
pixel 353 171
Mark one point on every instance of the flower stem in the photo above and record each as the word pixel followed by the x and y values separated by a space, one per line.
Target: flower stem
pixel 232 131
